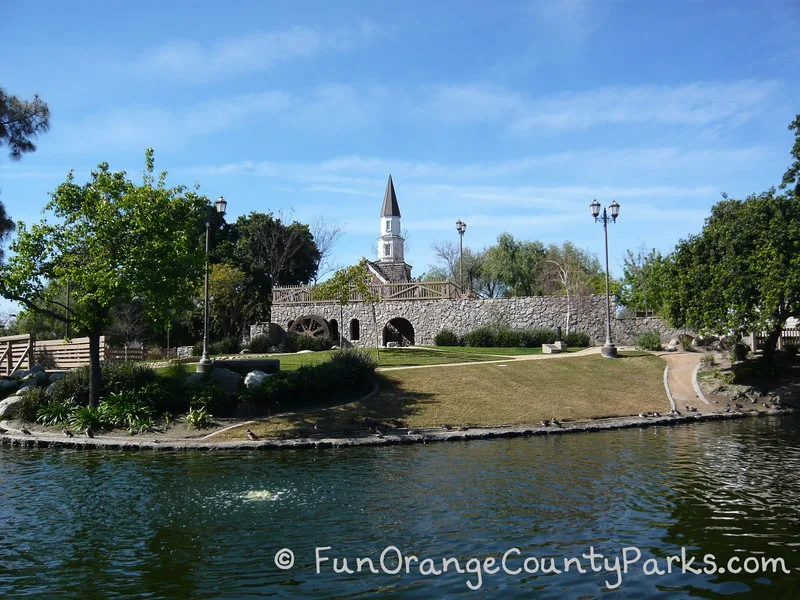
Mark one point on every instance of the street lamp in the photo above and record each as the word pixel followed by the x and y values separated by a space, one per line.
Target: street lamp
pixel 205 362
pixel 608 350
pixel 461 227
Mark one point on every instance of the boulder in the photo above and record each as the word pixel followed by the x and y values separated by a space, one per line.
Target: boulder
pixel 255 378
pixel 193 380
pixel 673 344
pixel 228 380
pixel 23 373
pixel 8 384
pixel 9 406
pixel 56 376
pixel 39 378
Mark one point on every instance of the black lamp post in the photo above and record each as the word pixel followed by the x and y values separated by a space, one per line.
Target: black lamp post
pixel 608 350
pixel 461 227
pixel 205 362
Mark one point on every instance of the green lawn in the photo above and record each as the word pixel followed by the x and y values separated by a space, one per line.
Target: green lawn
pixel 517 392
pixel 496 351
pixel 389 357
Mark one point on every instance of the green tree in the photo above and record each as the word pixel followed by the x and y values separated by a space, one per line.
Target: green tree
pixel 113 240
pixel 20 120
pixel 344 285
pixel 644 280
pixel 517 266
pixel 742 272
pixel 792 175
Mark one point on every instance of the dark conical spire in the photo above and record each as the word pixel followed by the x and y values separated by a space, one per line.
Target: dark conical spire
pixel 390 207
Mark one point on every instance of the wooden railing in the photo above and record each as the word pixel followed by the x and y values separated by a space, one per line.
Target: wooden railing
pixel 415 290
pixel 788 336
pixel 23 351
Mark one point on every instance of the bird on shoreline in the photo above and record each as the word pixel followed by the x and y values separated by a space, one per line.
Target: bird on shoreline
pixel 544 423
pixel 555 422
pixel 252 435
pixel 447 427
pixel 643 415
pixel 411 432
pixel 25 431
pixel 89 432
pixel 67 432
pixel 656 414
pixel 3 430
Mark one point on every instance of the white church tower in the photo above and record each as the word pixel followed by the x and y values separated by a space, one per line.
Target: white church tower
pixel 391 266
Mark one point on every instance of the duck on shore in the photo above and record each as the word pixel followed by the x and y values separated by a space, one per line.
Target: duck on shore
pixel 252 436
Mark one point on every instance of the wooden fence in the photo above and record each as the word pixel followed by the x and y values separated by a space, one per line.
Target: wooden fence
pixel 23 351
pixel 788 337
pixel 415 290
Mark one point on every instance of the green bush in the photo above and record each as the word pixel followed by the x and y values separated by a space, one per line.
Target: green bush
pixel 685 340
pixel 90 417
pixel 199 418
pixel 739 352
pixel 126 410
pixel 708 360
pixel 482 337
pixel 490 336
pixel 210 397
pixel 260 344
pixel 33 399
pixel 125 377
pixel 649 340
pixel 577 339
pixel 229 345
pixel 55 413
pixel 74 385
pixel 295 342
pixel 446 338
pixel 743 374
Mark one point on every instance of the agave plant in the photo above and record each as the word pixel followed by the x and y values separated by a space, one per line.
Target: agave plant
pixel 90 417
pixel 199 418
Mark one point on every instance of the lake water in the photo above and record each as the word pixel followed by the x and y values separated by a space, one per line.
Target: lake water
pixel 93 524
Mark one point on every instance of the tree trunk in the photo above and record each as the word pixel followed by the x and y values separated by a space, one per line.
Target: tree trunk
pixel 771 342
pixel 94 367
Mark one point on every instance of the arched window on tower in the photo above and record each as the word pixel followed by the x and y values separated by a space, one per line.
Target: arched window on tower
pixel 355 330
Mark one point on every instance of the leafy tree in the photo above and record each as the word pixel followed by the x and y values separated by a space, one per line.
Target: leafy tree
pixel 742 272
pixel 113 240
pixel 571 271
pixel 232 301
pixel 518 266
pixel 345 283
pixel 644 280
pixel 20 120
pixel 792 175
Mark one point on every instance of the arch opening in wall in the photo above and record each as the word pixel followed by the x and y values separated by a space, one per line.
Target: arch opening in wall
pixel 289 324
pixel 355 330
pixel 333 324
pixel 400 331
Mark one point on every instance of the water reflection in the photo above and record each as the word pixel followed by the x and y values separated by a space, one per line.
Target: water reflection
pixel 205 525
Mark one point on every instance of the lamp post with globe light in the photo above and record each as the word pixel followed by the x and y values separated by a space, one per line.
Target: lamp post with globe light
pixel 205 362
pixel 608 350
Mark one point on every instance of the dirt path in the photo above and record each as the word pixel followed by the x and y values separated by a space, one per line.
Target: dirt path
pixel 681 372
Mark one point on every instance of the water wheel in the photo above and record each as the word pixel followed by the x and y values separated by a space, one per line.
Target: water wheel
pixel 313 325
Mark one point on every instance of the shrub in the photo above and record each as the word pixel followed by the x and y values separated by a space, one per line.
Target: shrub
pixel 88 417
pixel 209 397
pixel 127 410
pixel 577 339
pixel 260 344
pixel 482 337
pixel 197 348
pixel 708 360
pixel 33 399
pixel 739 352
pixel 649 340
pixel 686 341
pixel 791 349
pixel 74 385
pixel 295 342
pixel 125 377
pixel 55 413
pixel 446 338
pixel 229 345
pixel 199 418
pixel 744 374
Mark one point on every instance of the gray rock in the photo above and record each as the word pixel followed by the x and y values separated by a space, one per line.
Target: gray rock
pixel 193 379
pixel 9 407
pixel 255 378
pixel 56 376
pixel 304 352
pixel 228 380
pixel 8 384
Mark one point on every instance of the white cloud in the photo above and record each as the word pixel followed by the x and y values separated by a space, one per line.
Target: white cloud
pixel 694 104
pixel 193 62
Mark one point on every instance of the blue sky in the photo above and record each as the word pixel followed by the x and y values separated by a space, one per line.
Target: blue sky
pixel 511 116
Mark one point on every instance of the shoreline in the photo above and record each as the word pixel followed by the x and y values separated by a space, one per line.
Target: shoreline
pixel 422 437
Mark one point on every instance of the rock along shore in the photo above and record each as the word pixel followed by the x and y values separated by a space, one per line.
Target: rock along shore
pixel 421 436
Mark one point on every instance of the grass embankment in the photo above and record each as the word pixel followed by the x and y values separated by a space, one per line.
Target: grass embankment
pixel 389 357
pixel 513 393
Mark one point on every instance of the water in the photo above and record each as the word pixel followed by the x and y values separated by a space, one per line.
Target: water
pixel 93 524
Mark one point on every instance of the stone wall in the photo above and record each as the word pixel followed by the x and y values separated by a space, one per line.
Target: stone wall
pixel 429 317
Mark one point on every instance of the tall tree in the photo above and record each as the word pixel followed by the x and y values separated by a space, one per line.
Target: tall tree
pixel 569 270
pixel 326 234
pixel 644 280
pixel 112 240
pixel 792 175
pixel 742 272
pixel 21 120
pixel 518 265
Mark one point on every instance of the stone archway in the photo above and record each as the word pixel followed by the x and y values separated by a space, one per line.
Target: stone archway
pixel 400 331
